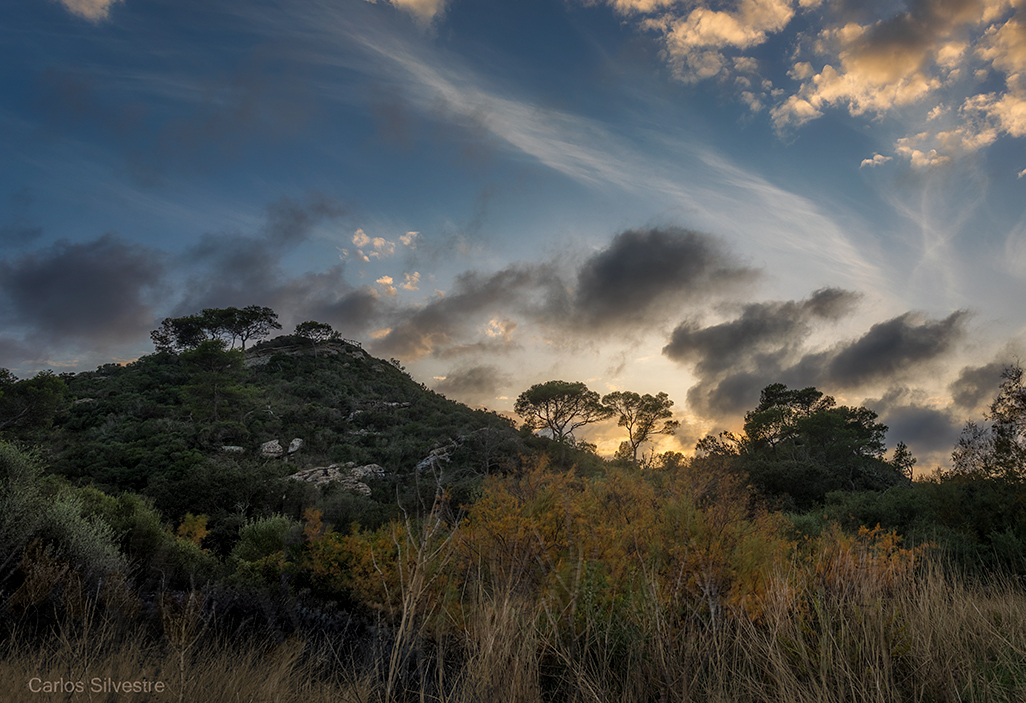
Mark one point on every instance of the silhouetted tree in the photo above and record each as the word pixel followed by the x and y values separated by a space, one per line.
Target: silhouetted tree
pixel 560 407
pixel 640 415
pixel 800 444
pixel 177 334
pixel 997 449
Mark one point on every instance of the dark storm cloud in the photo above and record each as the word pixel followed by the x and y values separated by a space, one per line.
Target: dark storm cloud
pixel 926 429
pixel 894 346
pixel 644 269
pixel 325 297
pixel 641 272
pixel 241 269
pixel 729 396
pixel 770 328
pixel 237 270
pixel 476 384
pixel 736 359
pixel 976 384
pixel 91 292
pixel 444 323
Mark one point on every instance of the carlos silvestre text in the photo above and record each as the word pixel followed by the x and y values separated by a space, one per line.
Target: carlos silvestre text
pixel 95 685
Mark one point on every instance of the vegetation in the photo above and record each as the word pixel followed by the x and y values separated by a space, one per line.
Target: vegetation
pixel 146 534
pixel 560 407
pixel 640 416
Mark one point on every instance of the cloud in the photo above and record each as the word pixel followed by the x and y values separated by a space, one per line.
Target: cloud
pixel 763 331
pixel 929 430
pixel 95 293
pixel 892 347
pixel 92 10
pixel 236 265
pixel 734 360
pixel 445 326
pixel 696 43
pixel 386 283
pixel 875 160
pixel 424 11
pixel 647 270
pixel 976 384
pixel 409 239
pixel 380 248
pixel 872 59
pixel 412 281
pixel 473 384
pixel 235 269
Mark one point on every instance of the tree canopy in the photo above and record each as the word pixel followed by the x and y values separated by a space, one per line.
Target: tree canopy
pixel 800 445
pixel 640 415
pixel 560 407
pixel 998 448
pixel 177 334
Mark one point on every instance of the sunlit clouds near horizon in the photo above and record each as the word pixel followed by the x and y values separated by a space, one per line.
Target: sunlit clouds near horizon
pixel 650 195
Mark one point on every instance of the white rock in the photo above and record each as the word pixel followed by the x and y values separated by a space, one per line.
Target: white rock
pixel 232 449
pixel 295 445
pixel 272 448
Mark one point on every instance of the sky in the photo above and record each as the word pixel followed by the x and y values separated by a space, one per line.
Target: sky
pixel 699 197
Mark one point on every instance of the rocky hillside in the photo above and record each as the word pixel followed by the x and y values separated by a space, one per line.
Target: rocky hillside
pixel 222 433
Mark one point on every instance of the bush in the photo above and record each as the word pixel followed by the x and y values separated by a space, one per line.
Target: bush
pixel 262 538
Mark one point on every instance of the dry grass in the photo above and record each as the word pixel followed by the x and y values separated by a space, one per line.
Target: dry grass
pixel 936 640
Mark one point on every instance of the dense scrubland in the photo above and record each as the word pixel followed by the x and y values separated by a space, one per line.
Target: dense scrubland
pixel 795 560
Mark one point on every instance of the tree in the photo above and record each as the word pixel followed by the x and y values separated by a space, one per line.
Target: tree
pixel 253 322
pixel 215 380
pixel 798 444
pixel 31 404
pixel 997 449
pixel 177 334
pixel 560 407
pixel 315 331
pixel 640 416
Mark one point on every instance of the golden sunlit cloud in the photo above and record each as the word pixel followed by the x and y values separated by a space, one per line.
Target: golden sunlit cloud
pixel 408 238
pixel 875 160
pixel 386 283
pixel 412 280
pixel 422 10
pixel 380 247
pixel 899 60
pixel 92 10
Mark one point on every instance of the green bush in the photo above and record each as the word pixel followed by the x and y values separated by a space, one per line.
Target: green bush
pixel 263 537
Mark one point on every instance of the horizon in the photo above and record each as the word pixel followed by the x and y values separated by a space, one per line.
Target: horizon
pixel 690 197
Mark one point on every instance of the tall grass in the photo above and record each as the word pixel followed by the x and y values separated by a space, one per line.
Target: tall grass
pixel 937 639
pixel 629 590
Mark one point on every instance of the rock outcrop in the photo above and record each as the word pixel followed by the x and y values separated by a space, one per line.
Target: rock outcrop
pixel 261 355
pixel 348 475
pixel 271 449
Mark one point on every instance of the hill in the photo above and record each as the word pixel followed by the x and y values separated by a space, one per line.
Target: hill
pixel 219 433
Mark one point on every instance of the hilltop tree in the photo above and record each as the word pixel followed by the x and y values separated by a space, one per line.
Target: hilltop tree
pixel 177 334
pixel 315 331
pixel 640 415
pixel 560 407
pixel 252 322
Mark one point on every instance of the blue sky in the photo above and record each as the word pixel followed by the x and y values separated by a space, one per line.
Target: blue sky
pixel 693 197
